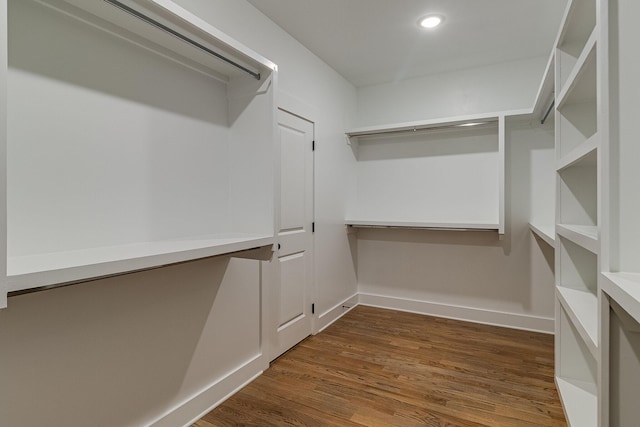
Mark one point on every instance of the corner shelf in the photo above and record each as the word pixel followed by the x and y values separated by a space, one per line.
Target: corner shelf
pixel 545 232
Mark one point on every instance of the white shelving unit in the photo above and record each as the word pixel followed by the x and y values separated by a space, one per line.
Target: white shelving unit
pixel 139 136
pixel 620 277
pixel 402 169
pixel 579 58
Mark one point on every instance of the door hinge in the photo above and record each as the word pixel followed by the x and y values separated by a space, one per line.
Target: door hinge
pixel 313 146
pixel 313 309
pixel 313 227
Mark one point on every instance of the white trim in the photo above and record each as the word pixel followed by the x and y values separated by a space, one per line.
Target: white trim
pixel 502 136
pixel 337 311
pixel 297 107
pixel 487 317
pixel 219 391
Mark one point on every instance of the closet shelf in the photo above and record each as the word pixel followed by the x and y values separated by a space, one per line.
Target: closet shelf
pixel 457 121
pixel 545 232
pixel 165 27
pixel 583 235
pixel 462 226
pixel 585 154
pixel 584 70
pixel 33 271
pixel 580 401
pixel 582 309
pixel 624 288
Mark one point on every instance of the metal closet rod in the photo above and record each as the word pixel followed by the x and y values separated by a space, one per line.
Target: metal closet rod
pixel 544 119
pixel 179 36
pixel 462 125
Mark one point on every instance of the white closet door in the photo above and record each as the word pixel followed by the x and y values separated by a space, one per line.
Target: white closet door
pixel 291 303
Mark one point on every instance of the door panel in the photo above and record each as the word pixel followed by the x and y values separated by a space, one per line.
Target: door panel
pixel 292 179
pixel 292 295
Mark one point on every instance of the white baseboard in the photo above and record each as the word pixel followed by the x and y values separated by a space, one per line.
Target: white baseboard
pixel 200 404
pixel 469 314
pixel 336 312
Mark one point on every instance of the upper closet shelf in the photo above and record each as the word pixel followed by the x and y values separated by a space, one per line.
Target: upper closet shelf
pixel 170 30
pixel 446 122
pixel 422 225
pixel 25 272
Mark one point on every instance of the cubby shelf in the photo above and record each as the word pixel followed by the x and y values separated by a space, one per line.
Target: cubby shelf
pixel 583 70
pixel 577 26
pixel 545 232
pixel 582 235
pixel 585 154
pixel 580 402
pixel 582 309
pixel 624 288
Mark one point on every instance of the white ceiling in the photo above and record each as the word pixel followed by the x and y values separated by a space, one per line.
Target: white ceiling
pixel 378 41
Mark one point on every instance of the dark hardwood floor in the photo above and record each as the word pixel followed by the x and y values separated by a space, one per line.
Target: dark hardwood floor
pixel 377 367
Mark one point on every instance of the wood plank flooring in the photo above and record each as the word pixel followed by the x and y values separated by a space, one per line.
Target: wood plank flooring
pixel 377 367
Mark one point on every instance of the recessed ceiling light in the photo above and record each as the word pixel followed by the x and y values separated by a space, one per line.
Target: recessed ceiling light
pixel 430 21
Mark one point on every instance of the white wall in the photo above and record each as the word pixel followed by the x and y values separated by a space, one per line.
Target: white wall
pixel 499 87
pixel 128 350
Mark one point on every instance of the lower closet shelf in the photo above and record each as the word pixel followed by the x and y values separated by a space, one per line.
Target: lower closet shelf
pixel 418 224
pixel 580 402
pixel 33 271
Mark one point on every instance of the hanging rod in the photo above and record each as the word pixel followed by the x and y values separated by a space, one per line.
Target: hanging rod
pixel 546 115
pixel 179 36
pixel 426 128
pixel 411 227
